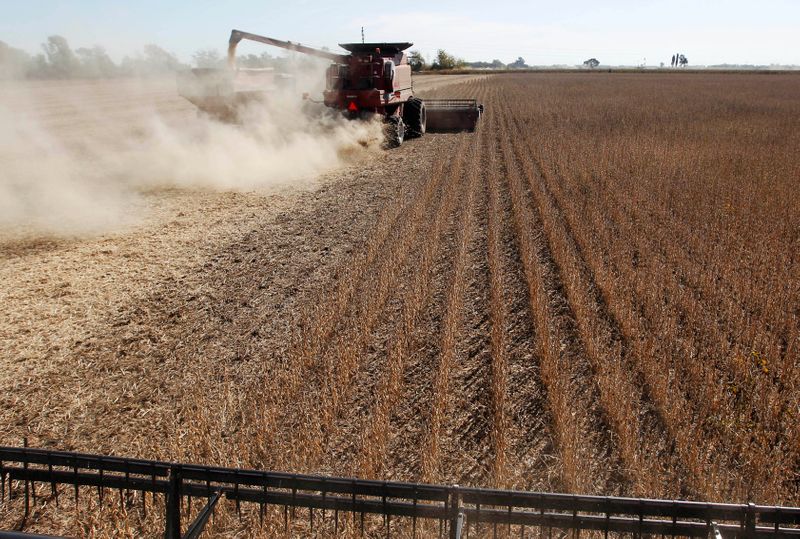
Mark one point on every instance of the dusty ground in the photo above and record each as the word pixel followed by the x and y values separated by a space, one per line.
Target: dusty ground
pixel 448 311
pixel 67 299
pixel 102 336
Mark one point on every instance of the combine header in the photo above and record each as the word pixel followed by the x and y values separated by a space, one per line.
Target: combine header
pixel 373 79
pixel 325 505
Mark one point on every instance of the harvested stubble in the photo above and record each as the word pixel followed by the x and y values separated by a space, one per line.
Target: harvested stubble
pixel 597 292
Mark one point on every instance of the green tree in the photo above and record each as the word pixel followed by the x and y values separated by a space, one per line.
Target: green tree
pixel 14 63
pixel 519 63
pixel 416 61
pixel 153 61
pixel 61 62
pixel 95 62
pixel 207 58
pixel 160 59
pixel 254 61
pixel 444 60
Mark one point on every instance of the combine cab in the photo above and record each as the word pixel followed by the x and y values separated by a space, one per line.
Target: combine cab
pixel 374 78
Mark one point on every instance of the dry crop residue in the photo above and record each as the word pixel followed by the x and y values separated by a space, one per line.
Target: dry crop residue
pixel 590 294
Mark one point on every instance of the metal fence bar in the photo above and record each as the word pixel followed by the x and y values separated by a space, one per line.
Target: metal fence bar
pixel 630 506
pixel 86 479
pixel 454 507
pixel 69 459
pixel 340 503
pixel 317 483
pixel 196 528
pixel 173 516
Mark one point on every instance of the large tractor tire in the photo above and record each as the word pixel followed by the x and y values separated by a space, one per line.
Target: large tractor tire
pixel 415 117
pixel 394 131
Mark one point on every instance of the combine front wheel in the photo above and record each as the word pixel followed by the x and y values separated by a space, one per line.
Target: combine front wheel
pixel 395 131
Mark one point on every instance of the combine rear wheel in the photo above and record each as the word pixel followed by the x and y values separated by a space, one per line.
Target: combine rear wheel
pixel 394 132
pixel 415 117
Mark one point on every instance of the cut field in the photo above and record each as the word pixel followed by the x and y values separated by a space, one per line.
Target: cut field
pixel 597 292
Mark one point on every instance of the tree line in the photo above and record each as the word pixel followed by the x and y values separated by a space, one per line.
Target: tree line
pixel 57 60
pixel 444 60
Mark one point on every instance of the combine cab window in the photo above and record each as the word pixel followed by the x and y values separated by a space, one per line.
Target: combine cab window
pixel 388 72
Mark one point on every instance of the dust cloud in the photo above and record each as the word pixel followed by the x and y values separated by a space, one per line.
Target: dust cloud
pixel 46 187
pixel 80 158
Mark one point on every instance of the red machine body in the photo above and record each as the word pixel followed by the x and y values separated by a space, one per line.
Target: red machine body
pixel 374 78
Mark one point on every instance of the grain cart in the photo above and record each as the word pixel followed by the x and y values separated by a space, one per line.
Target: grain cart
pixel 374 78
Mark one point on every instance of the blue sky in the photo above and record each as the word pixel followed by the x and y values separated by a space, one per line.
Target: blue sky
pixel 543 33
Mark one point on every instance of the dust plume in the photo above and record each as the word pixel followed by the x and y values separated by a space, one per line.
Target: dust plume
pixel 79 157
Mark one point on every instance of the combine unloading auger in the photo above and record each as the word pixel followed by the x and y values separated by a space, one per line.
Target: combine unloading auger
pixel 373 79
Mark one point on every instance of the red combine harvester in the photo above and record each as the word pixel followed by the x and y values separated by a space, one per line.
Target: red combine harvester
pixel 375 78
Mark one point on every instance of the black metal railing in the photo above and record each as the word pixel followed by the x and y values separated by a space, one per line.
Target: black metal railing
pixel 458 511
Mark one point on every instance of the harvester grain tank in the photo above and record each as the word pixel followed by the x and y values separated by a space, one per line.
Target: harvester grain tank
pixel 374 78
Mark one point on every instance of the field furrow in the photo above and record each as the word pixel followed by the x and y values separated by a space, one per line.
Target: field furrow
pixel 500 432
pixel 584 463
pixel 624 304
pixel 374 439
pixel 619 398
pixel 598 291
pixel 430 449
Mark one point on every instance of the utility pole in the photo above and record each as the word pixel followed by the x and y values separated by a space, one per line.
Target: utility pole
pixel 362 34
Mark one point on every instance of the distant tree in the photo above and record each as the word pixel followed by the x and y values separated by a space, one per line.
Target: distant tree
pixel 14 63
pixel 281 63
pixel 494 64
pixel 255 61
pixel 207 58
pixel 591 63
pixel 519 63
pixel 445 60
pixel 58 60
pixel 683 60
pixel 160 59
pixel 95 62
pixel 416 61
pixel 153 61
pixel 61 62
pixel 37 69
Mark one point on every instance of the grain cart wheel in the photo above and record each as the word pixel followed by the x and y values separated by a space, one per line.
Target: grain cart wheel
pixel 395 132
pixel 415 117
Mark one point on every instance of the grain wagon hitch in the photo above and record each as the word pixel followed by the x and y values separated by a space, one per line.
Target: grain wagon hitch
pixel 373 79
